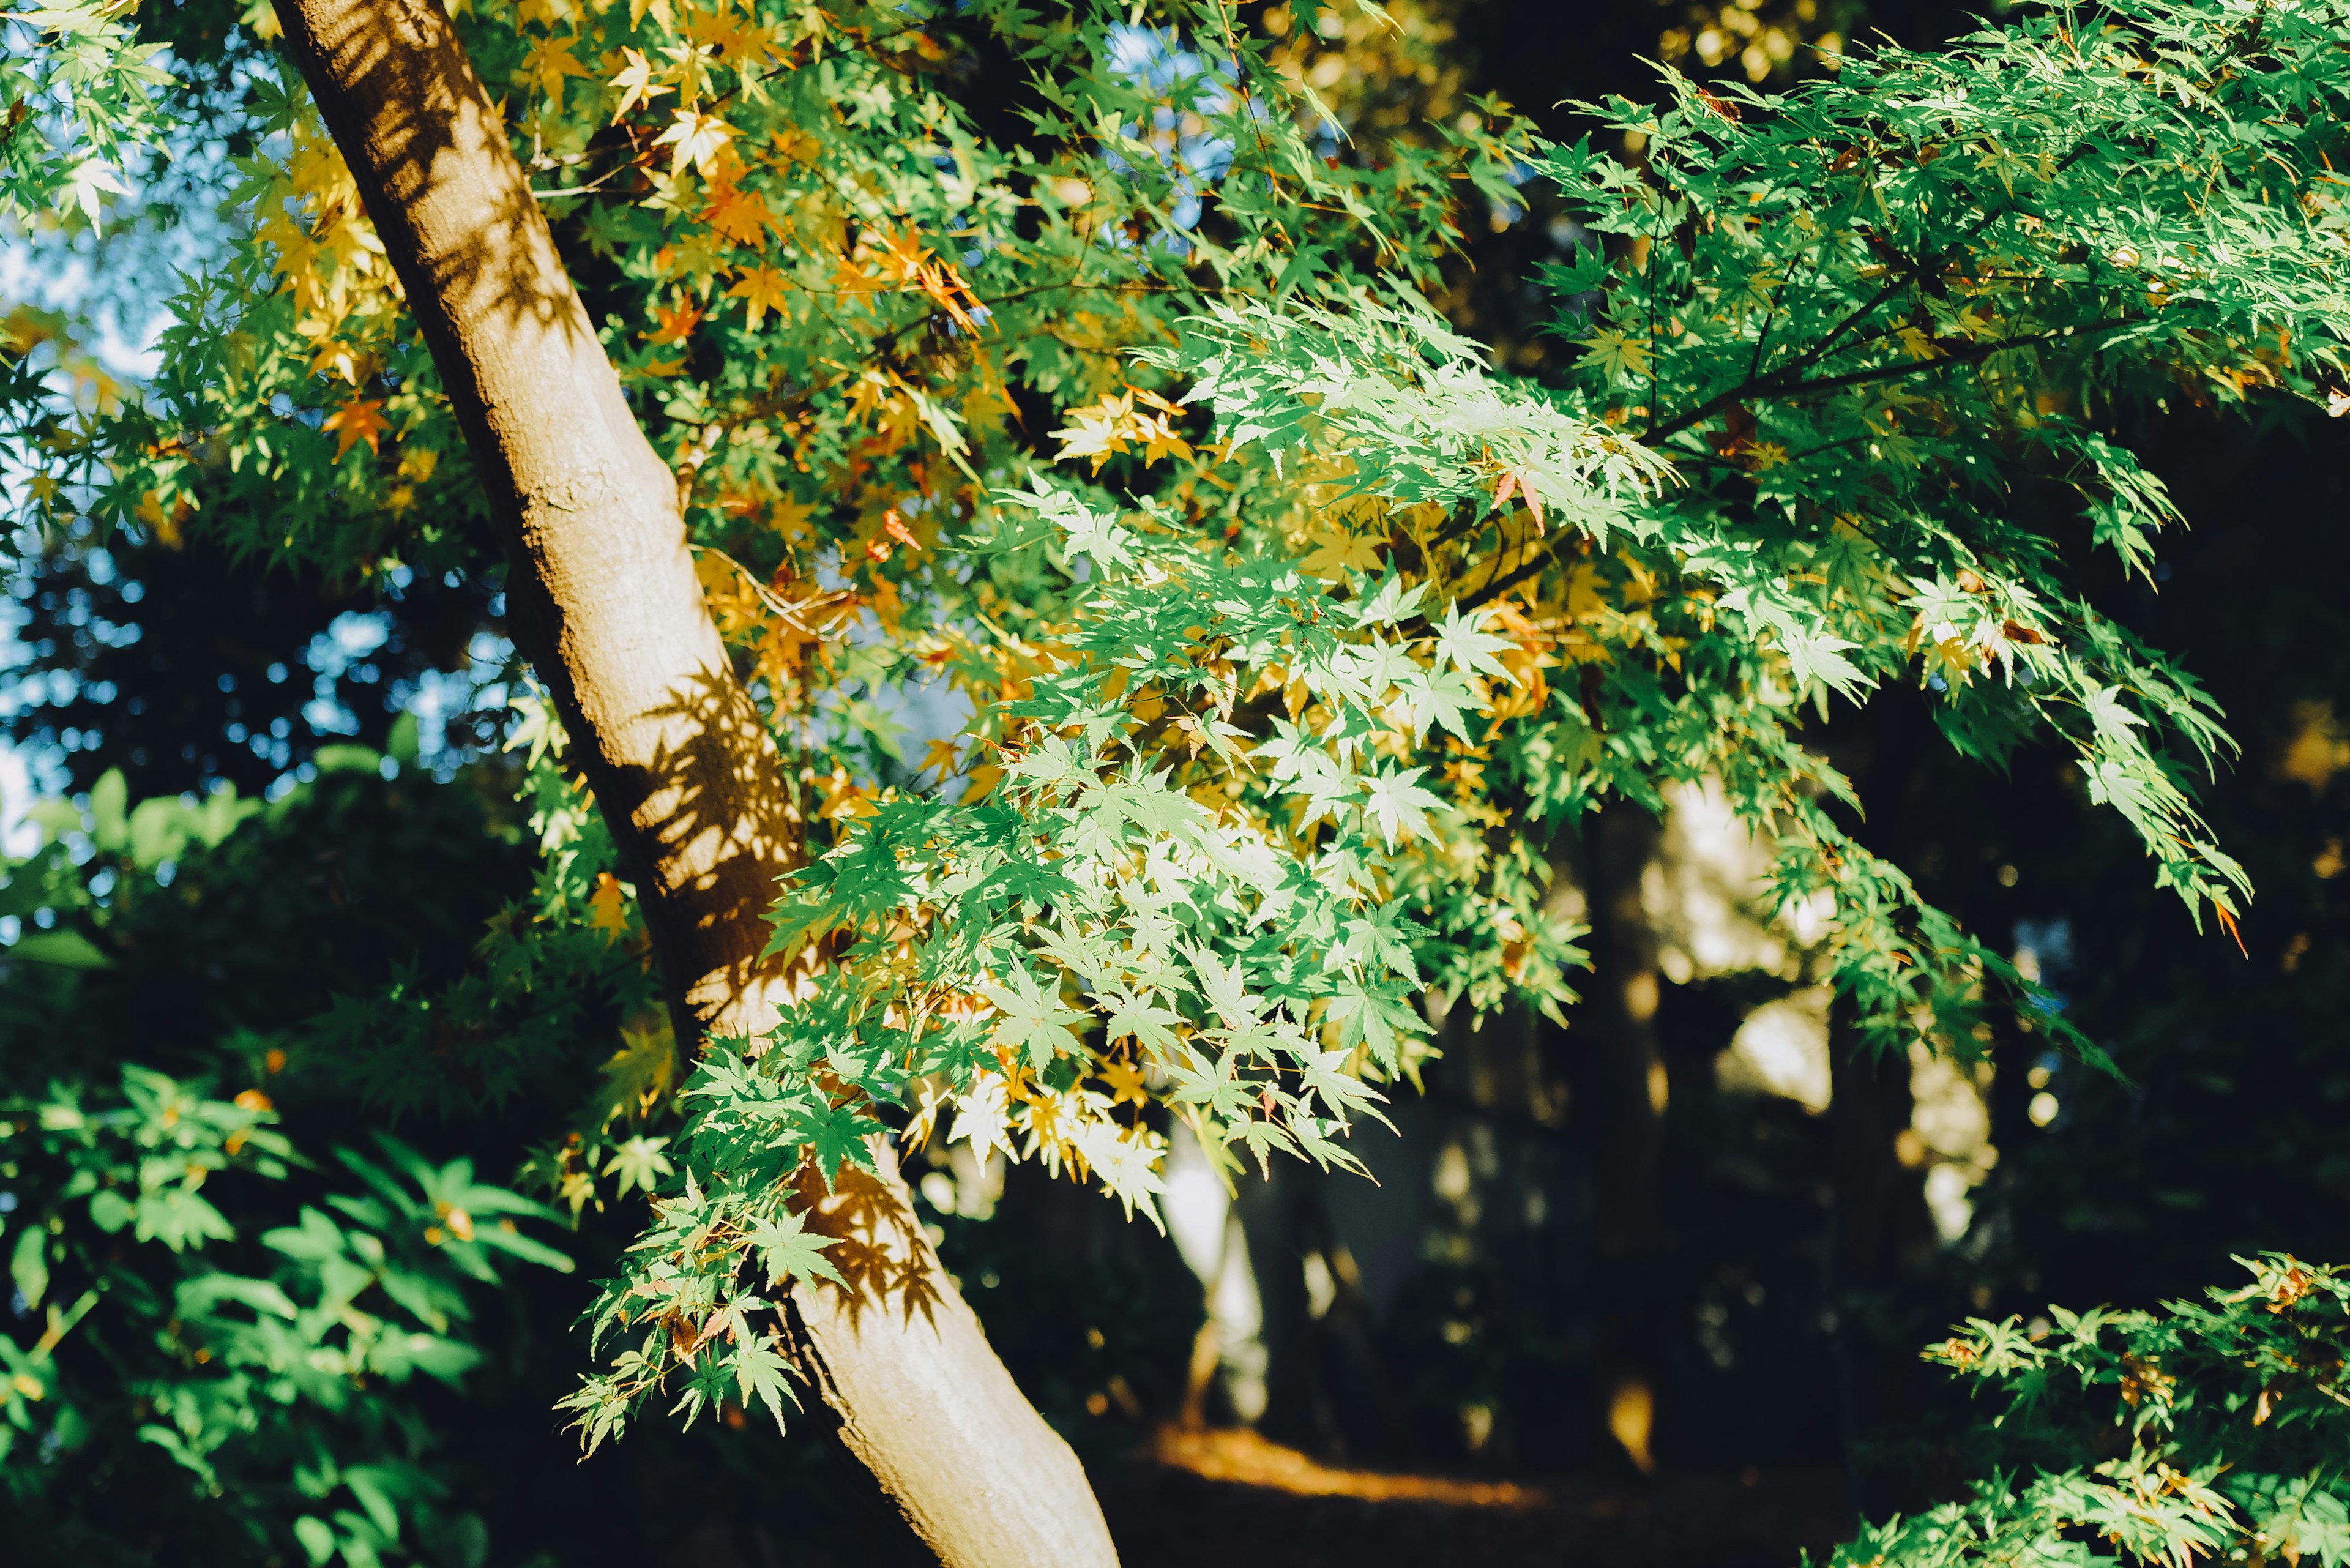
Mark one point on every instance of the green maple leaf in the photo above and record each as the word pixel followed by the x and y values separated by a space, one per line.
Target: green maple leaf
pixel 1323 781
pixel 1390 603
pixel 1467 650
pixel 1366 1017
pixel 1440 697
pixel 1617 355
pixel 835 1134
pixel 1226 989
pixel 1323 1073
pixel 1050 763
pixel 1024 879
pixel 639 1163
pixel 761 1374
pixel 1134 1014
pixel 1263 1139
pixel 1085 956
pixel 790 1251
pixel 1819 657
pixel 1398 805
pixel 1036 1023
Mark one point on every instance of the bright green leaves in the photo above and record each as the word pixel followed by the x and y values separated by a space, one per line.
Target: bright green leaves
pixel 1133 914
pixel 80 94
pixel 1397 806
pixel 2231 1447
pixel 789 1251
pixel 1409 406
pixel 269 1366
pixel 1035 1026
pixel 1468 650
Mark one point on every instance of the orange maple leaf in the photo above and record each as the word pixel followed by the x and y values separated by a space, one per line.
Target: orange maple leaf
pixel 356 421
pixel 676 326
pixel 741 215
pixel 2228 921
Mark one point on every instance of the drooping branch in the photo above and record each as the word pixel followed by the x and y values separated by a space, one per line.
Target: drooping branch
pixel 603 601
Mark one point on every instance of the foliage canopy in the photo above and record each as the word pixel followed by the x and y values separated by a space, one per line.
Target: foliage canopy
pixel 1072 368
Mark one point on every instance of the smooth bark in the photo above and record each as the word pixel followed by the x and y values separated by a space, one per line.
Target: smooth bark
pixel 603 599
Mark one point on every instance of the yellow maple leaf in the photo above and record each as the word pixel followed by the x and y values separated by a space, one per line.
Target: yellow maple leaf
pixel 636 83
pixel 720 30
pixel 654 369
pixel 791 516
pixel 549 63
pixel 941 757
pixel 698 139
pixel 1617 355
pixel 1125 1080
pixel 1337 553
pixel 761 290
pixel 606 907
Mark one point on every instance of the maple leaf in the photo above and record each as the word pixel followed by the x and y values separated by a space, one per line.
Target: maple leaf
pixel 1461 644
pixel 761 290
pixel 1325 1073
pixel 789 1251
pixel 640 1162
pixel 1397 803
pixel 359 420
pixel 606 907
pixel 677 323
pixel 1100 432
pixel 1337 552
pixel 762 1373
pixel 1125 1083
pixel 1136 1014
pixel 81 189
pixel 1366 1017
pixel 549 63
pixel 1034 1022
pixel 698 139
pixel 1390 603
pixel 1440 697
pixel 636 83
pixel 982 1116
pixel 741 215
pixel 835 1136
pixel 1617 355
pixel 1819 656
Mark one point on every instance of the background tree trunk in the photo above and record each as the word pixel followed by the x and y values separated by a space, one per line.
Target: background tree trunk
pixel 603 599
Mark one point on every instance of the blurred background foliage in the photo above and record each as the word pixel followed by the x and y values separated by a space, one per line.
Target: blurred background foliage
pixel 1652 1284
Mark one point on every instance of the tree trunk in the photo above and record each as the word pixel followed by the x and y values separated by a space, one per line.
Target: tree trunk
pixel 602 598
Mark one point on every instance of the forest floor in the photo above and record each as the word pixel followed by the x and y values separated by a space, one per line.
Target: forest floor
pixel 1233 1500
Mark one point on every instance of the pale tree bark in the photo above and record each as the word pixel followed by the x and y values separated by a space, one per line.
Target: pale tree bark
pixel 603 599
